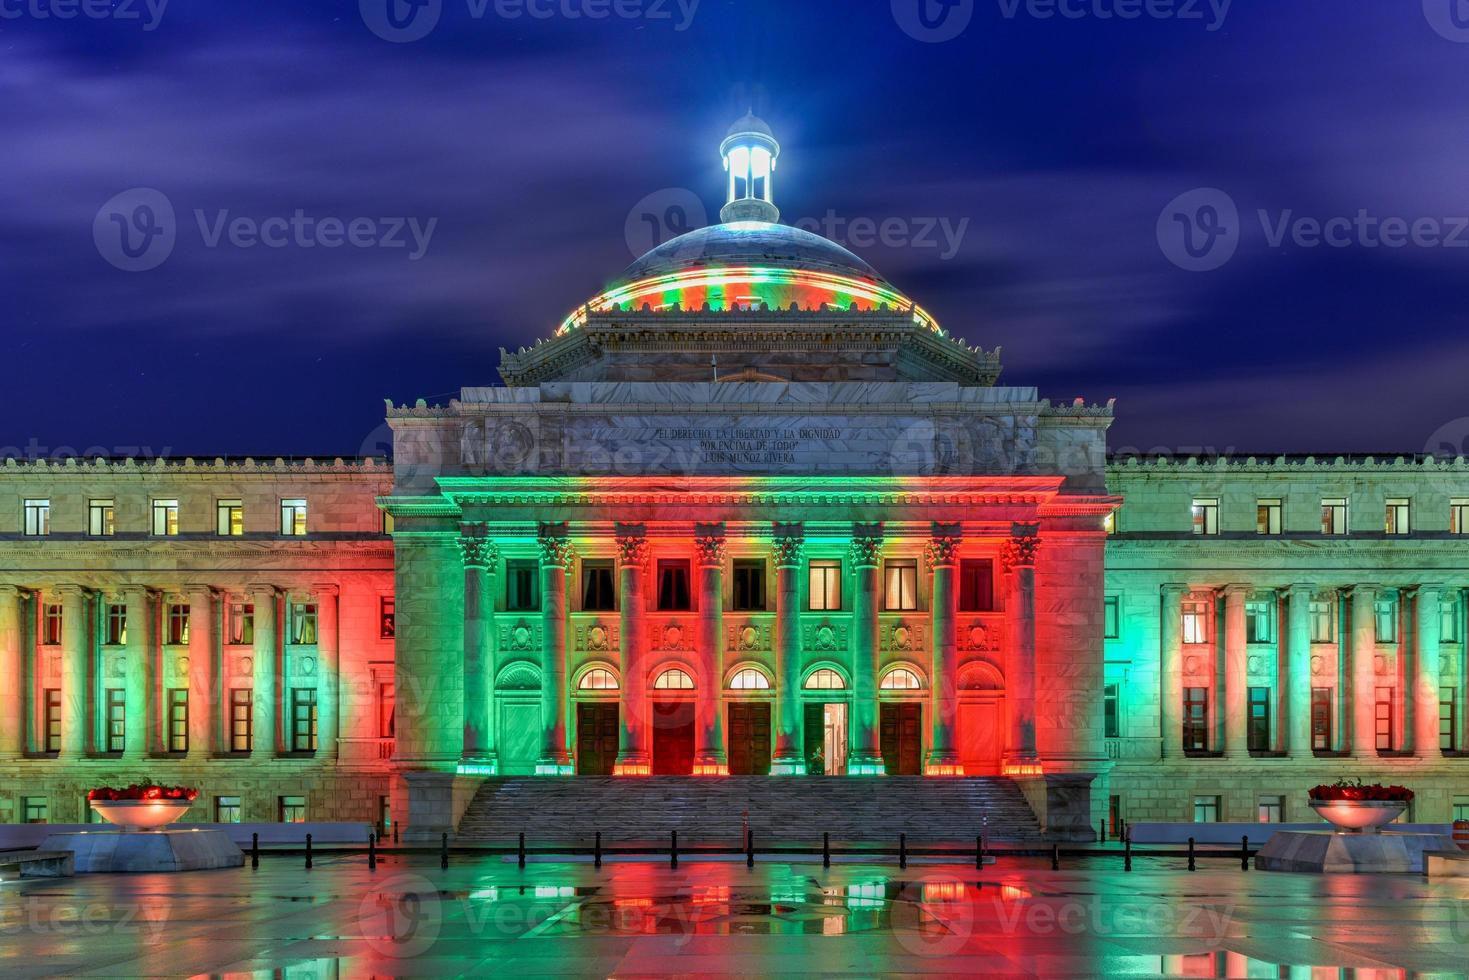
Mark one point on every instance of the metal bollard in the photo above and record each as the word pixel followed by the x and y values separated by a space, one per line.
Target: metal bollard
pixel 520 851
pixel 372 852
pixel 597 854
pixel 1055 857
pixel 979 853
pixel 1102 837
pixel 749 848
pixel 1192 866
pixel 1244 853
pixel 395 835
pixel 308 852
pixel 673 850
pixel 902 850
pixel 1127 852
pixel 254 850
pixel 826 850
pixel 444 851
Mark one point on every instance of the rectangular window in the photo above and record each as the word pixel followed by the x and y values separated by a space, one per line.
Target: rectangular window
pixel 229 518
pixel 242 719
pixel 826 586
pixel 1323 621
pixel 293 518
pixel 37 517
pixel 242 623
pixel 1271 809
pixel 53 719
pixel 1459 516
pixel 51 624
pixel 388 523
pixel 1109 523
pixel 673 584
pixel 1334 515
pixel 115 625
pixel 34 809
pixel 1258 732
pixel 598 593
pixel 178 719
pixel 1111 711
pixel 165 518
pixel 1269 516
pixel 116 701
pixel 303 623
pixel 1196 621
pixel 1321 712
pixel 1196 719
pixel 303 719
pixel 227 809
pixel 749 585
pixel 521 591
pixel 976 585
pixel 176 624
pixel 1260 621
pixel 1385 616
pixel 1448 614
pixel 1398 522
pixel 1206 515
pixel 1461 808
pixel 1112 617
pixel 1383 719
pixel 386 697
pixel 1206 809
pixel 1448 719
pixel 101 518
pixel 293 809
pixel 387 621
pixel 902 585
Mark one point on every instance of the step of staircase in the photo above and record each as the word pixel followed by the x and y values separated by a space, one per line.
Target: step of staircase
pixel 779 810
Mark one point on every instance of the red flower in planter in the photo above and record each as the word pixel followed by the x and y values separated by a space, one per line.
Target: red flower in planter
pixel 143 791
pixel 1358 791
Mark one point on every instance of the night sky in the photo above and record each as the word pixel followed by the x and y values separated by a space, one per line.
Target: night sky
pixel 531 146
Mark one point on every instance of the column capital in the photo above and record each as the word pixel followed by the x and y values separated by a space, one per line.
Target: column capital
pixel 788 546
pixel 70 590
pixel 1436 588
pixel 1236 590
pixel 1175 589
pixel 262 592
pixel 632 545
pixel 1020 551
pixel 1364 590
pixel 942 550
pixel 321 589
pixel 11 591
pixel 196 590
pixel 866 548
pixel 556 550
pixel 477 551
pixel 709 545
pixel 1300 590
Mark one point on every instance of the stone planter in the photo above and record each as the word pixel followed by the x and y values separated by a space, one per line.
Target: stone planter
pixel 1359 816
pixel 140 815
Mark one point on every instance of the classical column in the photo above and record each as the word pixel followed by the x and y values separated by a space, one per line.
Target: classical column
pixel 943 558
pixel 632 652
pixel 1426 680
pixel 329 672
pixel 866 556
pixel 709 546
pixel 787 551
pixel 1298 672
pixel 1019 558
pixel 203 696
pixel 1364 672
pixel 1236 674
pixel 480 556
pixel 265 742
pixel 138 677
pixel 1170 669
pixel 12 675
pixel 557 556
pixel 76 655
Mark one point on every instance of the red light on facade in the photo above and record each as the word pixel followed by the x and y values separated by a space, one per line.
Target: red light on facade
pixel 1027 769
pixel 632 769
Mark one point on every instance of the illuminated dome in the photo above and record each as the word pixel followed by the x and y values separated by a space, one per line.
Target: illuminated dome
pixel 748 243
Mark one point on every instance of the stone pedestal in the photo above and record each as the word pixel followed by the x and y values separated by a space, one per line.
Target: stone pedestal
pixel 1318 853
pixel 108 851
pixel 1063 804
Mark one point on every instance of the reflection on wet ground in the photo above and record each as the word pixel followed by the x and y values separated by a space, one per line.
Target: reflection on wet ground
pixel 1018 918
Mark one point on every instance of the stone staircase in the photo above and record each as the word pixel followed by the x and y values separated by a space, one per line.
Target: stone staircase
pixel 781 810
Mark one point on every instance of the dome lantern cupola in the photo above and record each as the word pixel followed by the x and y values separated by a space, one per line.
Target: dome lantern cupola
pixel 750 152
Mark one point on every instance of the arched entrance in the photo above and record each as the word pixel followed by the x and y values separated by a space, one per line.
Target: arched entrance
pixel 749 692
pixel 672 693
pixel 981 719
pixel 825 696
pixel 597 719
pixel 518 728
pixel 901 694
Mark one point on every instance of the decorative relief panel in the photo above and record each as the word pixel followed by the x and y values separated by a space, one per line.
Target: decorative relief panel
pixel 116 666
pixel 245 666
pixel 979 636
pixel 902 637
pixel 749 637
pixel 672 635
pixel 595 637
pixel 824 637
pixel 181 667
pixel 521 637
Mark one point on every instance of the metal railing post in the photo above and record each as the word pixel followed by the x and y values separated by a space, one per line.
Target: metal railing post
pixel 444 851
pixel 254 850
pixel 308 852
pixel 1127 852
pixel 749 848
pixel 902 850
pixel 1192 865
pixel 826 849
pixel 520 851
pixel 372 852
pixel 673 850
pixel 1244 853
pixel 597 854
pixel 1055 857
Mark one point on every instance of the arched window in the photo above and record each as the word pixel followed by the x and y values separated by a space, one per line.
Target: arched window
pixel 901 679
pixel 825 679
pixel 749 679
pixel 674 680
pixel 598 680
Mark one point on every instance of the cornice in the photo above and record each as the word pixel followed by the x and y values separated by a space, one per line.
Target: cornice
pixel 176 466
pixel 1124 466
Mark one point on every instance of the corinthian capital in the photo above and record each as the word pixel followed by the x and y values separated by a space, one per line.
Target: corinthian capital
pixel 478 552
pixel 943 547
pixel 557 551
pixel 1020 551
pixel 632 545
pixel 866 548
pixel 709 546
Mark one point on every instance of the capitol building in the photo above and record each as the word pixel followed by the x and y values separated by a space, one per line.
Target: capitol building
pixel 751 512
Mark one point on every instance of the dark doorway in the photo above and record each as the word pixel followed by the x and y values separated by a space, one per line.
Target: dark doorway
pixel 902 739
pixel 673 738
pixel 596 739
pixel 749 738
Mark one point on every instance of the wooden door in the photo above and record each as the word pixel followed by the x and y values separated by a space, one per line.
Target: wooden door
pixel 597 738
pixel 902 739
pixel 749 738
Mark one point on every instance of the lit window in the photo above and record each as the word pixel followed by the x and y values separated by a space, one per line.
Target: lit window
pixel 826 586
pixel 1398 511
pixel 1269 516
pixel 178 720
pixel 1461 808
pixel 1258 731
pixel 53 719
pixel 165 518
pixel 303 623
pixel 116 630
pixel 388 523
pixel 387 618
pixel 242 717
pixel 1112 711
pixel 1259 621
pixel 1112 617
pixel 825 679
pixel 242 623
pixel 1196 719
pixel 116 701
pixel 674 680
pixel 101 518
pixel 598 680
pixel 1206 809
pixel 1196 621
pixel 293 518
pixel 227 809
pixel 1459 516
pixel 1109 523
pixel 177 624
pixel 230 518
pixel 901 679
pixel 37 517
pixel 303 719
pixel 1271 809
pixel 51 624
pixel 1323 621
pixel 902 585
pixel 1448 719
pixel 1321 716
pixel 749 679
pixel 1334 515
pixel 34 809
pixel 293 809
pixel 1383 718
pixel 1206 515
pixel 1385 618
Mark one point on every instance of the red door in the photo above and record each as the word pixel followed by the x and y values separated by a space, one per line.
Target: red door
pixel 673 738
pixel 980 744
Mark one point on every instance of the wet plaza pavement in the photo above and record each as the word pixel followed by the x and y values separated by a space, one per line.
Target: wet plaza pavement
pixel 485 916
